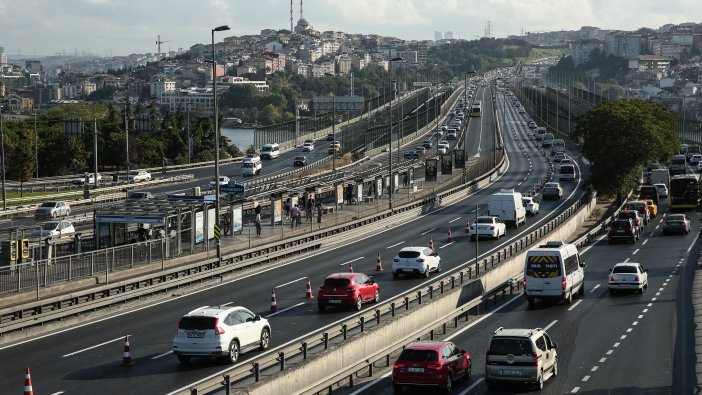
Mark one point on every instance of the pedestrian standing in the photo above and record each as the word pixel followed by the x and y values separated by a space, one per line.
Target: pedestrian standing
pixel 298 216
pixel 257 221
pixel 286 208
pixel 294 215
pixel 308 210
pixel 319 212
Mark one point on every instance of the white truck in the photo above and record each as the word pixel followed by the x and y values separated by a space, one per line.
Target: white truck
pixel 507 205
pixel 660 176
pixel 251 165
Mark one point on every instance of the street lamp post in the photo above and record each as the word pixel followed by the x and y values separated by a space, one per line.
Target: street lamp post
pixel 2 148
pixel 333 144
pixel 216 126
pixel 392 97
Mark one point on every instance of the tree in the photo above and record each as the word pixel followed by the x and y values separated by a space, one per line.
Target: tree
pixel 23 160
pixel 620 136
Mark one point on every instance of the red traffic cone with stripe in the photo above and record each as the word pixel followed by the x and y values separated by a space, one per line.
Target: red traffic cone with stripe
pixel 350 267
pixel 450 237
pixel 431 243
pixel 126 355
pixel 274 304
pixel 379 264
pixel 308 294
pixel 28 383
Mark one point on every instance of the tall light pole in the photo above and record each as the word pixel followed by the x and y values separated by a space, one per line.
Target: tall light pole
pixel 2 148
pixel 333 122
pixel 392 97
pixel 36 142
pixel 216 126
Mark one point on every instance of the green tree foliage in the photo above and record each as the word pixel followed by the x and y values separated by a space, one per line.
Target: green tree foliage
pixel 622 135
pixel 22 161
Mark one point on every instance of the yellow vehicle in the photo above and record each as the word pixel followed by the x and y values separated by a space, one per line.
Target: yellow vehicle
pixel 652 207
pixel 334 147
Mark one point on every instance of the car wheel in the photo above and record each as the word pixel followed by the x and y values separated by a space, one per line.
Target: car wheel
pixel 359 304
pixel 376 298
pixel 426 272
pixel 397 388
pixel 321 307
pixel 395 275
pixel 438 267
pixel 449 384
pixel 641 290
pixel 53 215
pixel 530 300
pixel 183 359
pixel 611 291
pixel 233 351
pixel 569 299
pixel 540 382
pixel 265 339
pixel 581 291
pixel 555 367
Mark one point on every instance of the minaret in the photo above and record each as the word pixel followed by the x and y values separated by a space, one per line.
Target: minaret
pixel 301 17
pixel 291 16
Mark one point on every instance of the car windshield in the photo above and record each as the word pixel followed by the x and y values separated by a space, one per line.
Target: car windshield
pixel 551 185
pixel 484 220
pixel 567 169
pixel 675 218
pixel 197 323
pixel 418 355
pixel 408 254
pixel 506 346
pixel 266 149
pixel 620 224
pixel 624 269
pixel 49 226
pixel 299 158
pixel 137 195
pixel 248 164
pixel 635 206
pixel 48 204
pixel 336 282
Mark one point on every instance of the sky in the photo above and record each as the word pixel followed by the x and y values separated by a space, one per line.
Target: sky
pixel 123 27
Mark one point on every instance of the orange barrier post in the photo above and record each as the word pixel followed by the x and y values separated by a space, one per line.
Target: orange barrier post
pixel 126 355
pixel 308 294
pixel 274 305
pixel 379 264
pixel 28 383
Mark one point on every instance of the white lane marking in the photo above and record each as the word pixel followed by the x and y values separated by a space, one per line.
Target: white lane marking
pixel 58 393
pixel 615 345
pixel 472 212
pixel 95 346
pixel 661 289
pixel 162 355
pixel 657 226
pixel 430 230
pixel 645 241
pixel 586 378
pixel 692 244
pixel 395 245
pixel 284 310
pixel 652 233
pixel 469 389
pixel 290 282
pixel 575 305
pixel 446 245
pixel 574 390
pixel 635 323
pixel 594 288
pixel 658 294
pixel 626 260
pixel 594 368
pixel 551 324
pixel 640 316
pixel 603 359
pixel 649 305
pixel 454 220
pixel 226 304
pixel 653 299
pixel 622 337
pixel 609 352
pixel 353 260
pixel 635 251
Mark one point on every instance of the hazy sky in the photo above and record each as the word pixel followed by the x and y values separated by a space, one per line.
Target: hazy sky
pixel 111 27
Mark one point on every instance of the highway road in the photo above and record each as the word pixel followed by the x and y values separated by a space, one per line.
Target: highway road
pixel 621 344
pixel 85 358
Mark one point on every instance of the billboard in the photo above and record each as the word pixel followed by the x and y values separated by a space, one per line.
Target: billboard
pixel 430 169
pixel 237 219
pixel 446 163
pixel 459 158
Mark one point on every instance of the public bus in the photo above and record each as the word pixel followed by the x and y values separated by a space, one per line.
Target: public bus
pixel 684 192
pixel 475 109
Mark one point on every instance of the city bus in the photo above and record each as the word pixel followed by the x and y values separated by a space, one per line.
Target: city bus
pixel 475 109
pixel 684 192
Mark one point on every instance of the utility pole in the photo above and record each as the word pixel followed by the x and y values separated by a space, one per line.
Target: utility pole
pixel 94 151
pixel 126 141
pixel 36 142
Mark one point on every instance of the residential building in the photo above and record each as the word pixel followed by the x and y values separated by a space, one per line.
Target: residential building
pixel 438 36
pixel 623 44
pixel 227 81
pixel 161 84
pixel 448 35
pixel 343 64
pixel 580 50
pixel 649 62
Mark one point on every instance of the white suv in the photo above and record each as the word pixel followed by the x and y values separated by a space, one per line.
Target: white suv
pixel 521 355
pixel 219 331
pixel 416 260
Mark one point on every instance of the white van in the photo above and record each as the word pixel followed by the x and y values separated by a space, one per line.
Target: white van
pixel 270 151
pixel 251 166
pixel 539 133
pixel 553 271
pixel 660 176
pixel 507 205
pixel 567 172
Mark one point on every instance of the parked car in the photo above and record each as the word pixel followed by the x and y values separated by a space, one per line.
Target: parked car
pixel 53 229
pixel 347 289
pixel 223 180
pixel 486 226
pixel 220 331
pixel 416 260
pixel 552 190
pixel 79 179
pixel 52 209
pixel 431 364
pixel 662 190
pixel 139 175
pixel 622 229
pixel 628 276
pixel 521 356
pixel 300 161
pixel 137 196
pixel 676 223
pixel 308 146
pixel 531 205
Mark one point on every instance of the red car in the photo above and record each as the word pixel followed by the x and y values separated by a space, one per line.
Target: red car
pixel 431 363
pixel 347 289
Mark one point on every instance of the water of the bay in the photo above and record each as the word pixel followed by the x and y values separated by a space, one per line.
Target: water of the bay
pixel 242 138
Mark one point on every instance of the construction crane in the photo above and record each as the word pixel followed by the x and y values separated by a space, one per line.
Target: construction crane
pixel 158 44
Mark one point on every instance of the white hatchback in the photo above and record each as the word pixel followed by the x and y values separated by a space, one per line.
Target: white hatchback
pixel 662 190
pixel 486 226
pixel 416 260
pixel 628 276
pixel 220 331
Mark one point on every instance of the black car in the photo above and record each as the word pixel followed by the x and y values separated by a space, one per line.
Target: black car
pixel 649 192
pixel 300 161
pixel 622 229
pixel 330 137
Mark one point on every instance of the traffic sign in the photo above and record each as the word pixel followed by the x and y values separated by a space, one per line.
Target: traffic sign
pixel 232 187
pixel 217 231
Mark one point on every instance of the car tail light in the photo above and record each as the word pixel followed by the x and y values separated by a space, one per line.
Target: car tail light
pixel 564 283
pixel 399 365
pixel 636 277
pixel 524 283
pixel 349 290
pixel 611 277
pixel 396 260
pixel 420 260
pixel 218 329
pixel 434 366
pixel 536 359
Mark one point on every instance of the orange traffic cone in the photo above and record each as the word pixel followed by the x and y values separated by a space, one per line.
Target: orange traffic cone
pixel 431 243
pixel 350 267
pixel 450 237
pixel 274 305
pixel 28 383
pixel 126 355
pixel 308 294
pixel 379 264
